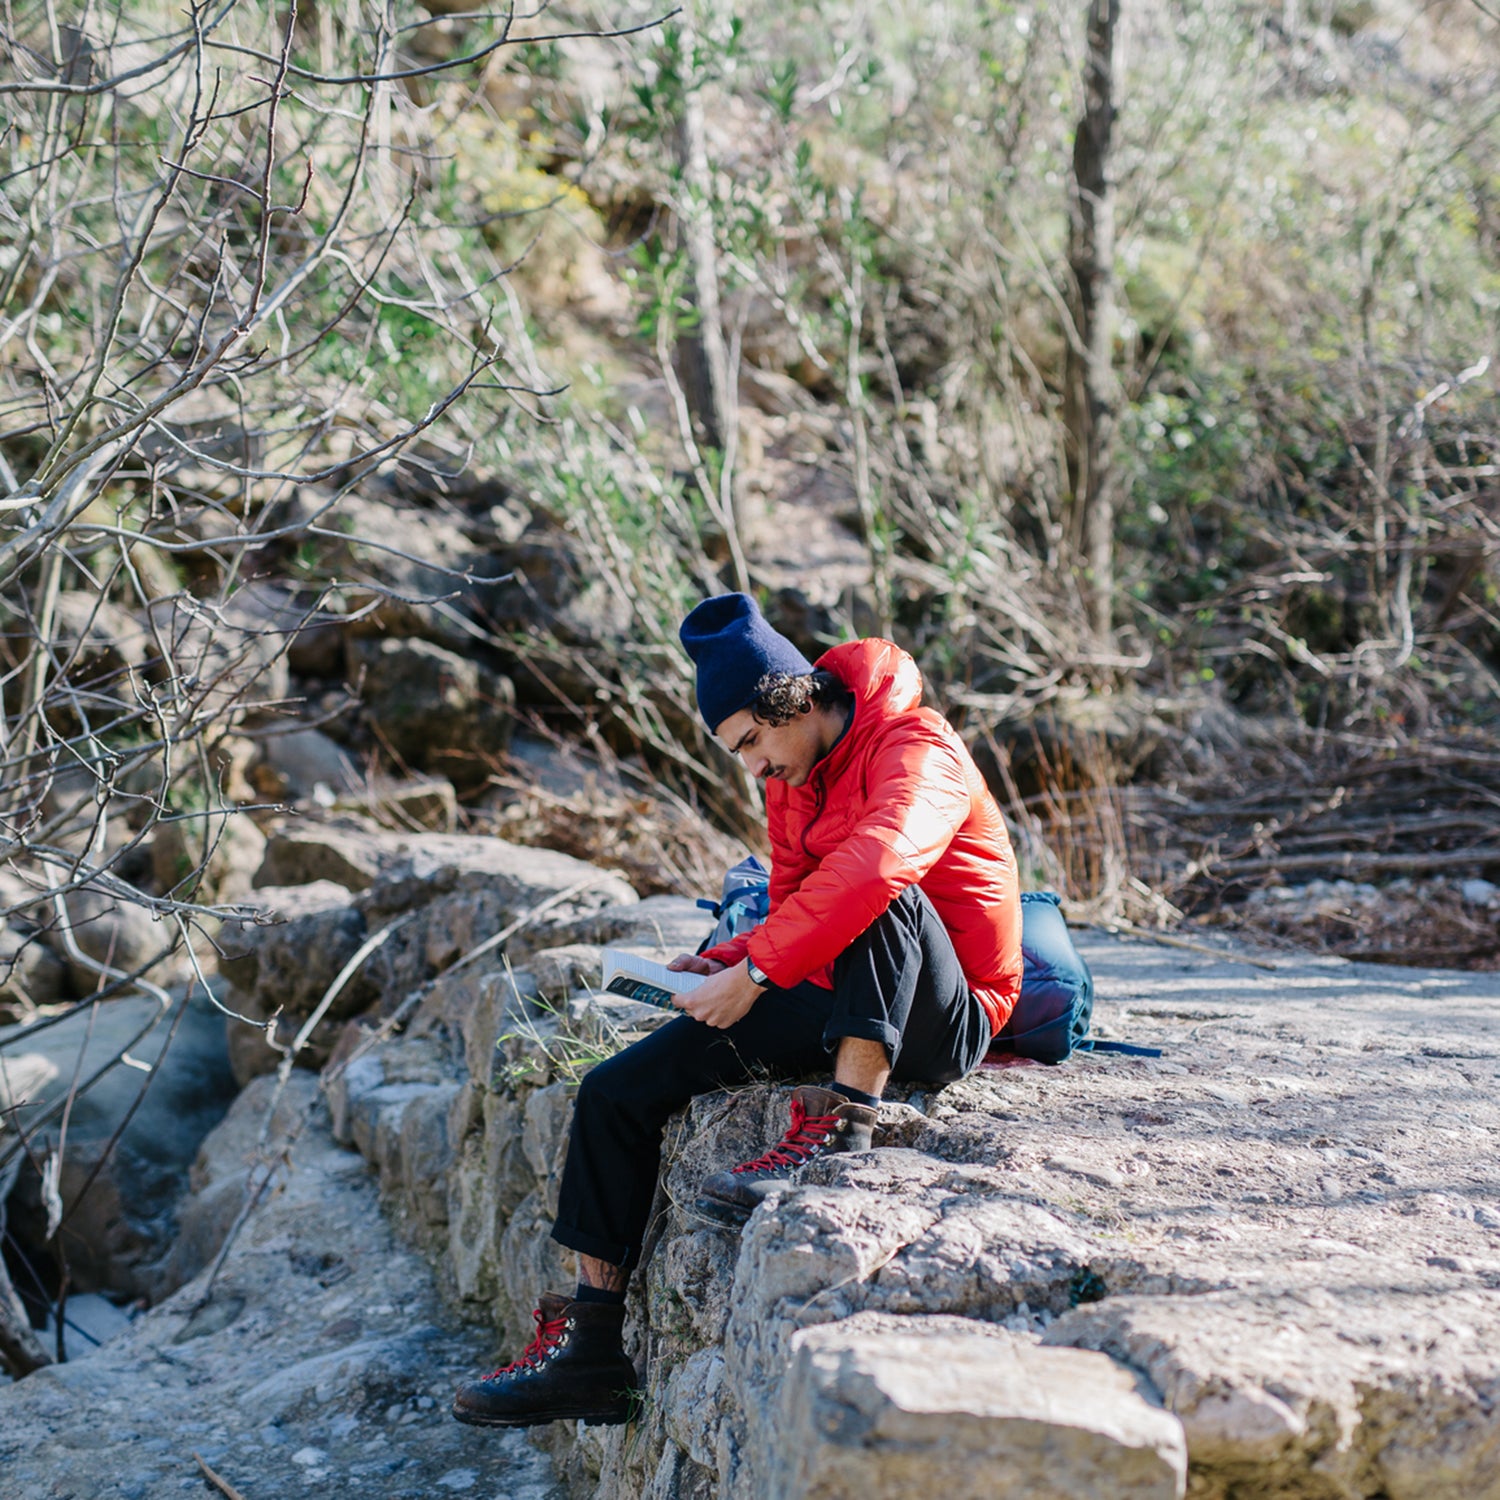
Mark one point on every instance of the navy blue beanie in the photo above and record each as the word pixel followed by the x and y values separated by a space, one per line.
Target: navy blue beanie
pixel 733 647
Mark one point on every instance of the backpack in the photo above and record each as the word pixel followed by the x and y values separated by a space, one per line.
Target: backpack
pixel 745 902
pixel 1056 1003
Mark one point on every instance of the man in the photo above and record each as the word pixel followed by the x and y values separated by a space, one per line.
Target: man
pixel 892 949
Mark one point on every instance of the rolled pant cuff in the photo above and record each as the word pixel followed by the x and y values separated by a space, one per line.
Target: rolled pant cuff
pixel 863 1028
pixel 612 1252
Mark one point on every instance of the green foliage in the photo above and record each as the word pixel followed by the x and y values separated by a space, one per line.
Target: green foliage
pixel 1302 260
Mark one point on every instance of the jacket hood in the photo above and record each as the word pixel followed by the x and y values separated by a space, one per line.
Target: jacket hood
pixel 884 680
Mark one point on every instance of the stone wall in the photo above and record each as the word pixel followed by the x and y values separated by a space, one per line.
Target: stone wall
pixel 1122 1278
pixel 477 1100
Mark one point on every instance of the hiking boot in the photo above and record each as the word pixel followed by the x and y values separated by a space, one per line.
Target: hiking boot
pixel 823 1123
pixel 575 1367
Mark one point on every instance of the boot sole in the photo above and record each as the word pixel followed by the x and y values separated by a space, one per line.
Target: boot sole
pixel 611 1417
pixel 733 1215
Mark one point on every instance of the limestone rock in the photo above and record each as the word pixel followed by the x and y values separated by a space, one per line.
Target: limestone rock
pixel 472 1009
pixel 553 589
pixel 443 864
pixel 560 971
pixel 394 1105
pixel 468 889
pixel 1263 1387
pixel 113 935
pixel 884 1409
pixel 30 973
pixel 120 1226
pixel 264 1119
pixel 696 1395
pixel 658 927
pixel 306 760
pixel 434 546
pixel 27 1081
pixel 349 854
pixel 287 960
pixel 437 710
pixel 547 1114
pixel 309 638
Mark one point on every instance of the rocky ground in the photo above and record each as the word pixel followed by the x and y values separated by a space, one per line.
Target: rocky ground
pixel 1282 1228
pixel 323 1363
pixel 1288 1225
pixel 1281 1237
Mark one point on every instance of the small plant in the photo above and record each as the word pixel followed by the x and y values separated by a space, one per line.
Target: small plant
pixel 556 1053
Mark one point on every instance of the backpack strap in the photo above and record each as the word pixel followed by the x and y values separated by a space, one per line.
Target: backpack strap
pixel 737 894
pixel 1126 1049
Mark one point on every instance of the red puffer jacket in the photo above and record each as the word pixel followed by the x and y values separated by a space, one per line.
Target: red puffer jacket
pixel 898 799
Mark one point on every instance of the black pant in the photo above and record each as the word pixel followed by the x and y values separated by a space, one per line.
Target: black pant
pixel 898 983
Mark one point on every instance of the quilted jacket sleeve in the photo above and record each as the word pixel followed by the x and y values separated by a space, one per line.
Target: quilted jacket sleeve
pixel 916 799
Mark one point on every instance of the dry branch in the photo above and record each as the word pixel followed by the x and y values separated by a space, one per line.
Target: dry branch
pixel 21 1351
pixel 217 1480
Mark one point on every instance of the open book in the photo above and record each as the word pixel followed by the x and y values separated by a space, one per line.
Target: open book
pixel 637 978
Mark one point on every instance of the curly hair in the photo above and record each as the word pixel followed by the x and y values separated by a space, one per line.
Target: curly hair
pixel 781 696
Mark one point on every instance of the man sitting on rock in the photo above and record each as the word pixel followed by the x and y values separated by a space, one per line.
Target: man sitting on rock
pixel 892 950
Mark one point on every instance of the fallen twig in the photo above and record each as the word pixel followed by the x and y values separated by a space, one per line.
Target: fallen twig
pixel 217 1480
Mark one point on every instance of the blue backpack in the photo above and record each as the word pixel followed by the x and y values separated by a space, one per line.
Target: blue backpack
pixel 745 902
pixel 1056 1003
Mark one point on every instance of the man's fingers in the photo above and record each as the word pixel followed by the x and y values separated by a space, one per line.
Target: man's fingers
pixel 693 963
pixel 687 1006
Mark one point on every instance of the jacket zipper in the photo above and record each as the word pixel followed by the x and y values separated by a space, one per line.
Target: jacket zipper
pixel 819 791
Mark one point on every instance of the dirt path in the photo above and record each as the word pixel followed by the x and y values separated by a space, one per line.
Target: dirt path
pixel 323 1365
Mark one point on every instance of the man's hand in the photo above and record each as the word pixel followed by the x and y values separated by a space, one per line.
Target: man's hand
pixel 693 963
pixel 722 999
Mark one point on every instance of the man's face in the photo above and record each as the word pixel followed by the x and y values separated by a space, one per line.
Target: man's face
pixel 786 752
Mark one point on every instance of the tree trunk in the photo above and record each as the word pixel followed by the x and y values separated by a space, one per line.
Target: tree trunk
pixel 702 360
pixel 1092 392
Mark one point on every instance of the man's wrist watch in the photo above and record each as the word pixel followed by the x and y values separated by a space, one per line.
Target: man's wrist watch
pixel 757 974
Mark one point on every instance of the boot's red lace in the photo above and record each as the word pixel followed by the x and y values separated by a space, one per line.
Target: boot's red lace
pixel 803 1137
pixel 549 1332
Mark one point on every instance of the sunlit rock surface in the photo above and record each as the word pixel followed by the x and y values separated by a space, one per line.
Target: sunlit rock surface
pixel 1263 1264
pixel 1284 1233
